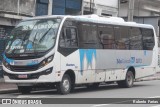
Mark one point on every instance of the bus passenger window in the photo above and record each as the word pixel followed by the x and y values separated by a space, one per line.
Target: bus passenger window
pixel 122 37
pixel 106 36
pixel 68 38
pixel 88 36
pixel 148 39
pixel 135 39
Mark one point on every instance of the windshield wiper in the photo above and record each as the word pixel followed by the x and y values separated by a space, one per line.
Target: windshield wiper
pixel 45 34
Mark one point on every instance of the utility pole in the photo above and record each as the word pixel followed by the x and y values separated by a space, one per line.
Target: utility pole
pixel 50 6
pixel 90 6
pixel 119 4
pixel 18 11
pixel 82 7
pixel 131 10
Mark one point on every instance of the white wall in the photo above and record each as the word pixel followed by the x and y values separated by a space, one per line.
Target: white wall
pixel 110 3
pixel 137 11
pixel 141 8
pixel 109 7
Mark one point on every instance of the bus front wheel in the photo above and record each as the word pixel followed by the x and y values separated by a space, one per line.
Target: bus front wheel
pixel 128 82
pixel 64 87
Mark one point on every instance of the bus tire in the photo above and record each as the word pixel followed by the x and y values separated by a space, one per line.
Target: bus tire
pixel 128 82
pixel 64 87
pixel 24 89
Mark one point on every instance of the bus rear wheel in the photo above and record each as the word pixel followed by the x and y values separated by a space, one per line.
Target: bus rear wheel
pixel 64 87
pixel 24 89
pixel 128 82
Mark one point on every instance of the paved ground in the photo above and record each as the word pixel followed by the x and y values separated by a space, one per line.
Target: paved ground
pixel 5 88
pixel 145 89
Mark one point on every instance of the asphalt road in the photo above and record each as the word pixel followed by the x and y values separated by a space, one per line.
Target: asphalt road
pixel 144 89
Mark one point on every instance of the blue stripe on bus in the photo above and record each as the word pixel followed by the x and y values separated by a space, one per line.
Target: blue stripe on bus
pixel 90 53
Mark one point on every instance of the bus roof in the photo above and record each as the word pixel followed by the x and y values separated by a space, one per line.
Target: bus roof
pixel 96 19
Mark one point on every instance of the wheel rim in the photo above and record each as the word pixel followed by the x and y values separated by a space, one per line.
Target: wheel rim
pixel 66 84
pixel 130 79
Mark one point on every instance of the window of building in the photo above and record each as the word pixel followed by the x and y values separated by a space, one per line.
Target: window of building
pixel 106 36
pixel 41 7
pixel 148 39
pixel 136 39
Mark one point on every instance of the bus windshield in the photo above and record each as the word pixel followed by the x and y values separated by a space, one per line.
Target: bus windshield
pixel 33 36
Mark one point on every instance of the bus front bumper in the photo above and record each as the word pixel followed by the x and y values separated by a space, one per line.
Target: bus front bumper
pixel 39 77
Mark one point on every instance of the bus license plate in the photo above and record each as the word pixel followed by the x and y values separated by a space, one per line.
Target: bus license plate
pixel 22 76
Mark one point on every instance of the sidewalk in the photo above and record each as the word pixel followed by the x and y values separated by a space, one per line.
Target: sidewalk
pixel 154 77
pixel 7 88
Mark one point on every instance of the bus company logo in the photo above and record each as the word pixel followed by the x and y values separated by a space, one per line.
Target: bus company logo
pixel 132 60
pixel 6 101
pixel 70 64
pixel 123 61
pixel 126 61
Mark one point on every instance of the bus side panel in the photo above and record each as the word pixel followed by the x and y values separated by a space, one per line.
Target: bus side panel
pixel 123 61
pixel 56 67
pixel 70 62
pixel 100 75
pixel 107 61
pixel 87 66
pixel 114 75
pixel 144 67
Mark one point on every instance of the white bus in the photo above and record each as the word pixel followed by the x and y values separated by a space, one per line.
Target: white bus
pixel 66 51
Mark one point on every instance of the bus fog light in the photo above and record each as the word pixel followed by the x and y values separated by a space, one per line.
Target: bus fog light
pixel 48 71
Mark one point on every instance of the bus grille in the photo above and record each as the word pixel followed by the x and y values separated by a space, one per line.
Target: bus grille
pixel 23 68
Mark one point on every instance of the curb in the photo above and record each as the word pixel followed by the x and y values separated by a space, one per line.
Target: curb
pixel 1 80
pixel 7 91
pixel 148 79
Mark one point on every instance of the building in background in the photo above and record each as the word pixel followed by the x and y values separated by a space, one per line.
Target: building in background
pixel 101 7
pixel 142 8
pixel 11 12
pixel 145 11
pixel 58 7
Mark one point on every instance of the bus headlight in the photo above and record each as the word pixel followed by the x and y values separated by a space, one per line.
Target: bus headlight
pixel 46 61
